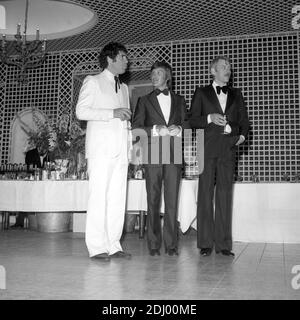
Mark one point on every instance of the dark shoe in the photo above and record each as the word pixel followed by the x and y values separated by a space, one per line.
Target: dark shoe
pixel 226 252
pixel 121 254
pixel 205 252
pixel 153 252
pixel 172 252
pixel 101 256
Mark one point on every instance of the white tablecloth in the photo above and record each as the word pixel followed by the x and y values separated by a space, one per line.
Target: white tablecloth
pixel 47 196
pixel 262 212
pixel 72 195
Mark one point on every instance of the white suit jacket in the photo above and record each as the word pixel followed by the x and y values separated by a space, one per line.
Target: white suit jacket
pixel 105 136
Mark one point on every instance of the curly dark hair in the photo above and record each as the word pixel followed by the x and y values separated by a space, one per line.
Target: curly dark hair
pixel 111 50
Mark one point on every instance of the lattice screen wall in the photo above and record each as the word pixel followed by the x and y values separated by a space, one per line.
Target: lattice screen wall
pixel 267 70
pixel 266 67
pixel 2 104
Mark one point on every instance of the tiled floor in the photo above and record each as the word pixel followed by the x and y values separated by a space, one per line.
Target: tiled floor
pixel 56 266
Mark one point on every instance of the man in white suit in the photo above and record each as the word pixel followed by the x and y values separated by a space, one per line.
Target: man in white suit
pixel 104 103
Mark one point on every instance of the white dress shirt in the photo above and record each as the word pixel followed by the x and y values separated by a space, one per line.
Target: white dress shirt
pixel 165 106
pixel 222 97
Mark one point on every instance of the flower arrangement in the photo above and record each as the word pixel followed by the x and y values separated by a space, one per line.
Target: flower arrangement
pixel 67 139
pixel 61 139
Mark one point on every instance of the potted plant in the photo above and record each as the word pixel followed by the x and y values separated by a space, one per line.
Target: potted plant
pixel 64 141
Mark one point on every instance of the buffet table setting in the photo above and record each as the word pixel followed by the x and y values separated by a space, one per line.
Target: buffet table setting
pixel 262 212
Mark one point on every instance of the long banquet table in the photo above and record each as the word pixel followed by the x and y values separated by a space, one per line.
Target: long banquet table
pixel 262 212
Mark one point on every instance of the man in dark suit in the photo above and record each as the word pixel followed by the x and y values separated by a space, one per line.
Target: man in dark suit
pixel 219 110
pixel 161 114
pixel 36 157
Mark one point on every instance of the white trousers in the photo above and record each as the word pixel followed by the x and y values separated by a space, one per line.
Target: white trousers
pixel 106 205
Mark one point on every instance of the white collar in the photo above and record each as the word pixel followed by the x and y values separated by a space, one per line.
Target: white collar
pixel 109 75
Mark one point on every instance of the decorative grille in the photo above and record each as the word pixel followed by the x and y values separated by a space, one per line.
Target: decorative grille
pixel 152 21
pixel 265 67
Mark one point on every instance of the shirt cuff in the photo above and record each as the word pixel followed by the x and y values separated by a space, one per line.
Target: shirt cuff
pixel 208 119
pixel 180 133
pixel 154 131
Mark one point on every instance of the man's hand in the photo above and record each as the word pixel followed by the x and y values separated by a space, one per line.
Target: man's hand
pixel 174 130
pixel 218 119
pixel 241 140
pixel 162 130
pixel 122 113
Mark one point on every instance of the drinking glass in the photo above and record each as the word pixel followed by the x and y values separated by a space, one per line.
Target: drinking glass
pixel 225 129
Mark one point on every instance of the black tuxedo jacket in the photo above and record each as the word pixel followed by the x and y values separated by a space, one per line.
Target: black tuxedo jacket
pixel 205 102
pixel 148 113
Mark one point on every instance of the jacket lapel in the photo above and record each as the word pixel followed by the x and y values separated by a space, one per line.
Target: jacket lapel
pixel 105 82
pixel 155 104
pixel 230 98
pixel 173 107
pixel 214 99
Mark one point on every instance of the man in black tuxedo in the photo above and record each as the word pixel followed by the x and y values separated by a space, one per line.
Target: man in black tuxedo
pixel 161 114
pixel 36 157
pixel 219 110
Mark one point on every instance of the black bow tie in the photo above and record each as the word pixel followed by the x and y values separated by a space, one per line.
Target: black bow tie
pixel 224 89
pixel 117 83
pixel 158 91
